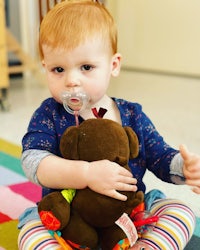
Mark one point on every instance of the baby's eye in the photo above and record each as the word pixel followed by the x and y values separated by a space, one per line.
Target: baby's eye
pixel 87 67
pixel 58 70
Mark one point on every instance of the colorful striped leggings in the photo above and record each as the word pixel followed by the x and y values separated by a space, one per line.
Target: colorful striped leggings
pixel 174 228
pixel 172 231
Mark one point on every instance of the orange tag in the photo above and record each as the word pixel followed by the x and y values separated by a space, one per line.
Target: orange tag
pixel 126 224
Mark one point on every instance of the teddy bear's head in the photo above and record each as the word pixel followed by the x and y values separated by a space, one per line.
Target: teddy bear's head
pixel 98 139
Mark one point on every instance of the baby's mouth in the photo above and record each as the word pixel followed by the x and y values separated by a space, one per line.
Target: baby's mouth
pixel 75 103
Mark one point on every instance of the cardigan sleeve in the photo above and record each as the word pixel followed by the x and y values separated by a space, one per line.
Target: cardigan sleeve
pixel 158 153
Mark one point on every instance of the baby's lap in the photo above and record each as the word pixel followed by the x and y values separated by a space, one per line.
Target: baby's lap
pixel 33 232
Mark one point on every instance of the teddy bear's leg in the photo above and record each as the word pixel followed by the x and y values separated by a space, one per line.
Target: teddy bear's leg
pixel 110 236
pixel 79 232
pixel 54 205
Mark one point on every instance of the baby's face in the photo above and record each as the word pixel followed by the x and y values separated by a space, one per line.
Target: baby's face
pixel 86 68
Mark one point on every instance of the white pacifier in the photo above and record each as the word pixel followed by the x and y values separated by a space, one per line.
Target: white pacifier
pixel 74 102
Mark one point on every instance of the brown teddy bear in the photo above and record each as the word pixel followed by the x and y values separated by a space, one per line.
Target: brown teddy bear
pixel 90 218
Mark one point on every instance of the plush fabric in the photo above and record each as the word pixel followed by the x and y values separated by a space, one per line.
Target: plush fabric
pixel 90 219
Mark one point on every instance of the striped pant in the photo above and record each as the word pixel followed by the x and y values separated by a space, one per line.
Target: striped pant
pixel 174 228
pixel 34 236
pixel 172 231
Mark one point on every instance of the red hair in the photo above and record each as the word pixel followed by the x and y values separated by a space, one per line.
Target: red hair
pixel 69 23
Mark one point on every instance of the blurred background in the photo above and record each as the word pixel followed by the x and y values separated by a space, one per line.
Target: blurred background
pixel 160 46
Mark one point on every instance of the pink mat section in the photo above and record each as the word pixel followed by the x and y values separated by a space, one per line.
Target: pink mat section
pixel 29 190
pixel 13 204
pixel 16 198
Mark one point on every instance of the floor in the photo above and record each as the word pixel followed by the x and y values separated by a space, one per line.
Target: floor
pixel 172 103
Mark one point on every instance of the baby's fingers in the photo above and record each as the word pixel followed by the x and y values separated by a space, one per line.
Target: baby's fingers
pixel 124 172
pixel 125 187
pixel 121 186
pixel 184 152
pixel 127 179
pixel 116 195
pixel 120 196
pixel 192 176
pixel 196 190
pixel 195 183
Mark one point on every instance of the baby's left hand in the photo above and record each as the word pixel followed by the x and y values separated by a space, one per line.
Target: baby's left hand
pixel 191 168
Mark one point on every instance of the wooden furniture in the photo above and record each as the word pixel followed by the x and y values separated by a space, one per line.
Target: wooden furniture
pixel 45 6
pixel 4 81
pixel 9 44
pixel 27 63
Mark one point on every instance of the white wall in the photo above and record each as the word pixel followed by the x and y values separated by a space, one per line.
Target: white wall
pixel 159 35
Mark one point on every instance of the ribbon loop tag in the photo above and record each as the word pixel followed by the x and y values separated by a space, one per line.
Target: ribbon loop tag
pixel 100 113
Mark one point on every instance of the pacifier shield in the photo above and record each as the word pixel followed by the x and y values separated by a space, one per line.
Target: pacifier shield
pixel 74 102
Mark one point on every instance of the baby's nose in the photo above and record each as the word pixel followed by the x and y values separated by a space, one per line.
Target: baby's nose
pixel 72 80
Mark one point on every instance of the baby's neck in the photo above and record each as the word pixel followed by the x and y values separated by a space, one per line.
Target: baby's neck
pixel 107 103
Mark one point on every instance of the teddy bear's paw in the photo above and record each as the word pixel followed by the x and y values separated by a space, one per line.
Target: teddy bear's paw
pixel 56 207
pixel 49 220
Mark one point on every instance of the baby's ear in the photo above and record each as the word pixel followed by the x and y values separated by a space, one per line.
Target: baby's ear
pixel 43 63
pixel 116 64
pixel 69 143
pixel 133 142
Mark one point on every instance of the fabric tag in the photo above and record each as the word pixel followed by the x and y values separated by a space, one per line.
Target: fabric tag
pixel 126 224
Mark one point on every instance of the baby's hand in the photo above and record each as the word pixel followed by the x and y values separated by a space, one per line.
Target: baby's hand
pixel 107 178
pixel 191 168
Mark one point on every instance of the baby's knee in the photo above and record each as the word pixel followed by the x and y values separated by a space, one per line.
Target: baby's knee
pixel 172 209
pixel 175 225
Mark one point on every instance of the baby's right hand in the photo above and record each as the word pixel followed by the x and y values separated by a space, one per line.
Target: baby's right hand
pixel 107 178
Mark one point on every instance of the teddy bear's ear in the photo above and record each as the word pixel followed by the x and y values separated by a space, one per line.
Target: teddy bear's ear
pixel 133 142
pixel 69 143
